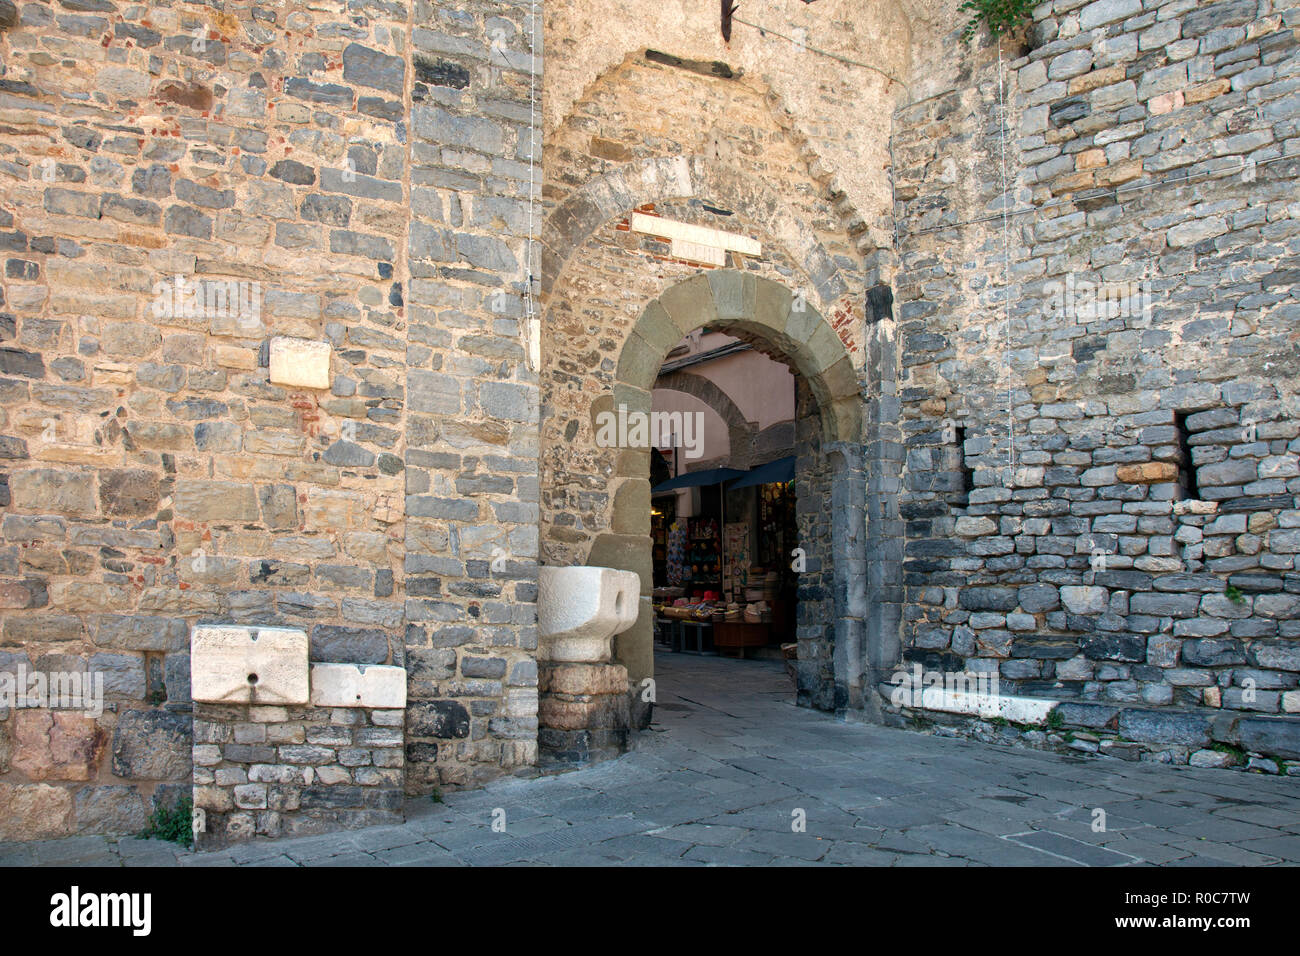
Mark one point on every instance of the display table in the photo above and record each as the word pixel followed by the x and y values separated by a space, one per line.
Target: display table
pixel 684 635
pixel 738 635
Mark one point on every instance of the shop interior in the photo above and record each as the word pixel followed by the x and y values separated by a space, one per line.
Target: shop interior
pixel 723 524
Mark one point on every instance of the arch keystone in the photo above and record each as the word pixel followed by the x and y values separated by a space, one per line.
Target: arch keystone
pixel 733 294
pixel 772 302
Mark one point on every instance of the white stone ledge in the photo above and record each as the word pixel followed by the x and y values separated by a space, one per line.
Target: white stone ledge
pixel 700 235
pixel 372 686
pixel 1020 710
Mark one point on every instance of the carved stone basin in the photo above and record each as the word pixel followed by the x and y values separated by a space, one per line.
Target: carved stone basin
pixel 579 610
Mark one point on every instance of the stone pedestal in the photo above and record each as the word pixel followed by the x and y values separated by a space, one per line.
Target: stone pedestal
pixel 583 712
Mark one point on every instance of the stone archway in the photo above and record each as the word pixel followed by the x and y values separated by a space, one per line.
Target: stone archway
pixel 831 459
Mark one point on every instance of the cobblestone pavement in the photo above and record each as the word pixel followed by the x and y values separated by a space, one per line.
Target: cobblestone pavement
pixel 729 765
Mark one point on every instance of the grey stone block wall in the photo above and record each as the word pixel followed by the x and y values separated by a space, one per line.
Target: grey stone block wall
pixel 367 169
pixel 1150 150
pixel 472 426
pixel 290 771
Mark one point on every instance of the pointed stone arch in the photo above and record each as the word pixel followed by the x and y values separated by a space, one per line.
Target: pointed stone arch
pixel 681 177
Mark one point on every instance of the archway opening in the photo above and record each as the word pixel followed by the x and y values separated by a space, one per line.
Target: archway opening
pixel 728 556
pixel 800 400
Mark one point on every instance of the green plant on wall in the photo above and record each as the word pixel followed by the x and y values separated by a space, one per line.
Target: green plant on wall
pixel 173 823
pixel 1000 16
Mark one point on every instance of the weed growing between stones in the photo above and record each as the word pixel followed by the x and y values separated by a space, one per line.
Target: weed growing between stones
pixel 1000 16
pixel 174 824
pixel 1238 755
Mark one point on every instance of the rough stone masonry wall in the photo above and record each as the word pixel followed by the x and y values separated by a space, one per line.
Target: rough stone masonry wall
pixel 289 771
pixel 360 162
pixel 472 432
pixel 1197 605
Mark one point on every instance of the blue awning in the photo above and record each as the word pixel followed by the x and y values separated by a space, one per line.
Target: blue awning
pixel 694 479
pixel 774 471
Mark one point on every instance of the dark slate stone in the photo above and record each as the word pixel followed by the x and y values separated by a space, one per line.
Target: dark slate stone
pixel 18 362
pixel 23 269
pixel 141 212
pixel 1256 582
pixel 89 6
pixel 187 221
pixel 330 93
pixel 348 454
pixel 1213 652
pixel 446 719
pixel 988 599
pixel 12 447
pixel 347 242
pixel 1250 503
pixel 142 36
pixel 331 798
pixel 380 108
pixel 192 409
pixel 1217 16
pixel 192 192
pixel 880 303
pixel 292 171
pixel 1275 736
pixel 436 72
pixel 367 67
pixel 1123 580
pixel 1068 110
pixel 492 668
pixel 1036 598
pixel 1113 647
pixel 1093 716
pixel 334 210
pixel 335 644
pixel 1164 727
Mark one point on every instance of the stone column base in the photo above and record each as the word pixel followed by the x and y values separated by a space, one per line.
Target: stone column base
pixel 583 712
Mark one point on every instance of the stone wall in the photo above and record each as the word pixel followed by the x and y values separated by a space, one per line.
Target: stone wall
pixel 289 771
pixel 1150 151
pixel 471 430
pixel 355 174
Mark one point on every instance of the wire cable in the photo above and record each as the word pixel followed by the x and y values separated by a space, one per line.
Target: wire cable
pixel 827 53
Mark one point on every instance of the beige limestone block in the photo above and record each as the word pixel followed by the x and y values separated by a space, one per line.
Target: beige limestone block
pixel 375 686
pixel 300 363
